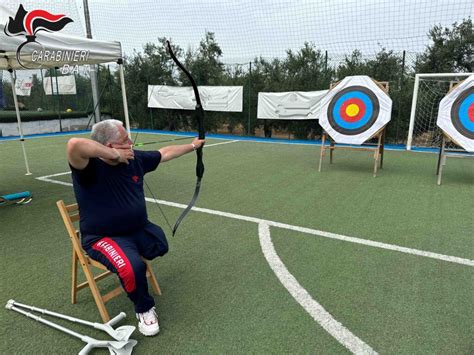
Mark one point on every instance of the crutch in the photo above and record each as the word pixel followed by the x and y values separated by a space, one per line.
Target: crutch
pixel 121 333
pixel 115 347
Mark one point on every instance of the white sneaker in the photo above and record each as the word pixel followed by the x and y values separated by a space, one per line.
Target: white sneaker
pixel 148 322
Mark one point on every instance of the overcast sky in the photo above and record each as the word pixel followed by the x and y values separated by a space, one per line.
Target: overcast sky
pixel 247 28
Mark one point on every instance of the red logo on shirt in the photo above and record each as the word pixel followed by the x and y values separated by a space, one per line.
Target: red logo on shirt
pixel 135 178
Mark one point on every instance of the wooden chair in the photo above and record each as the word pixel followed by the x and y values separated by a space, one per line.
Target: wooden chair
pixel 70 215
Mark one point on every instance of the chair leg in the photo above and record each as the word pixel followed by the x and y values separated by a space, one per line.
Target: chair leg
pixel 96 294
pixel 74 278
pixel 154 282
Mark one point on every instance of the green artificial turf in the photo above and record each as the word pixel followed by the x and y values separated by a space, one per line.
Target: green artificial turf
pixel 219 293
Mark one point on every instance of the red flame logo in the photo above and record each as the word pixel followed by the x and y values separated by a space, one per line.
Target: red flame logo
pixel 38 20
pixel 29 23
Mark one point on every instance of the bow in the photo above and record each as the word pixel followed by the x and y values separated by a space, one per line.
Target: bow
pixel 201 131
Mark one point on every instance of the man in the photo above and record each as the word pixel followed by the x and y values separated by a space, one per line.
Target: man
pixel 108 183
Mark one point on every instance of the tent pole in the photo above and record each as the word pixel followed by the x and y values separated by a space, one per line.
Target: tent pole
pixel 93 70
pixel 59 99
pixel 124 97
pixel 18 118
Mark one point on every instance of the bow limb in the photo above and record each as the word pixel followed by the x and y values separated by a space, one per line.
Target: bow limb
pixel 200 118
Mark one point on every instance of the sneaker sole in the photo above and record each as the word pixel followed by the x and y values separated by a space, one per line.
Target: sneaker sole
pixel 148 333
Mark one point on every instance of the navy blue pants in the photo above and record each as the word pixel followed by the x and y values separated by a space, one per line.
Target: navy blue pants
pixel 123 256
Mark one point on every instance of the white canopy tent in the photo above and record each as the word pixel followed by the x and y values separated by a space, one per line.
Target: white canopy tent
pixel 53 50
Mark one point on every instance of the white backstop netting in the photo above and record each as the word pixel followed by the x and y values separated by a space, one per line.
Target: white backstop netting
pixel 429 91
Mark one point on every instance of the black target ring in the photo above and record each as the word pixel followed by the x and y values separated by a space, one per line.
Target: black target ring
pixel 462 113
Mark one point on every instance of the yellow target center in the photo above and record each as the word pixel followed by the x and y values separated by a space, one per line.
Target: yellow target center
pixel 352 110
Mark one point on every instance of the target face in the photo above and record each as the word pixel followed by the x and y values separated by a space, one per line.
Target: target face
pixel 462 113
pixel 353 110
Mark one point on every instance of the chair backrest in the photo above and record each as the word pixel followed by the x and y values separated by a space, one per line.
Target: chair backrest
pixel 70 214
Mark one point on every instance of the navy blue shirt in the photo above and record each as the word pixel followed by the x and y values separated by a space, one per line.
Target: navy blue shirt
pixel 111 198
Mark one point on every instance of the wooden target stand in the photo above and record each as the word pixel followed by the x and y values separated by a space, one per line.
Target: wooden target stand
pixel 443 151
pixel 377 148
pixel 443 154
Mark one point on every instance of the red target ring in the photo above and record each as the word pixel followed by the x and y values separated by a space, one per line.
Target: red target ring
pixel 346 108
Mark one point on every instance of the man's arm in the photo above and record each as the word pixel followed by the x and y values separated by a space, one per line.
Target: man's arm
pixel 80 150
pixel 174 151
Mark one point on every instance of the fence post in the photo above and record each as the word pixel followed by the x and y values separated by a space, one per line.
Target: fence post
pixel 59 99
pixel 326 67
pixel 250 92
pixel 400 87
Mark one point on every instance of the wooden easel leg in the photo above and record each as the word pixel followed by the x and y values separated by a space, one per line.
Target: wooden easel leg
pixel 321 155
pixel 382 149
pixel 440 154
pixel 331 151
pixel 74 278
pixel 442 159
pixel 377 154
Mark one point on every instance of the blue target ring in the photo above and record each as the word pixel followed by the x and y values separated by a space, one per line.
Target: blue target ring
pixel 461 113
pixel 366 113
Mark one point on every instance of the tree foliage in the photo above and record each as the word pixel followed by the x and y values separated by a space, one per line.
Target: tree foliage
pixel 450 49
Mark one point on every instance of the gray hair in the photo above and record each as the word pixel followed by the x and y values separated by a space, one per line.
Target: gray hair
pixel 106 131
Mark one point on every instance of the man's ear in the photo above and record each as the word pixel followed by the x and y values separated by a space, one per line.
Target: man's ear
pixel 108 145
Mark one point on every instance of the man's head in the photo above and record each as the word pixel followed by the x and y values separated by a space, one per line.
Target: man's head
pixel 109 133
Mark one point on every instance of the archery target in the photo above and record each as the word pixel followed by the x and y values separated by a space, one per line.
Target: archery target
pixel 456 114
pixel 354 110
pixel 462 113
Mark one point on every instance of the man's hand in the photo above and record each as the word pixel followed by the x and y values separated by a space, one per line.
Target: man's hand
pixel 124 153
pixel 198 143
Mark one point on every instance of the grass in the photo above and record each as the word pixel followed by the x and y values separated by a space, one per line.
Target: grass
pixel 219 294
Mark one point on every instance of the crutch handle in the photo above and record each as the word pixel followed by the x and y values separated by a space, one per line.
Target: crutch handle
pixel 117 318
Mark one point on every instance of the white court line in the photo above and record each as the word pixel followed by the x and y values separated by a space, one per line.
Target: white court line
pixel 213 145
pixel 380 245
pixel 46 178
pixel 310 305
pixel 371 243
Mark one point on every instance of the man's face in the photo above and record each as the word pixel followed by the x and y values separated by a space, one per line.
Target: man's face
pixel 123 140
